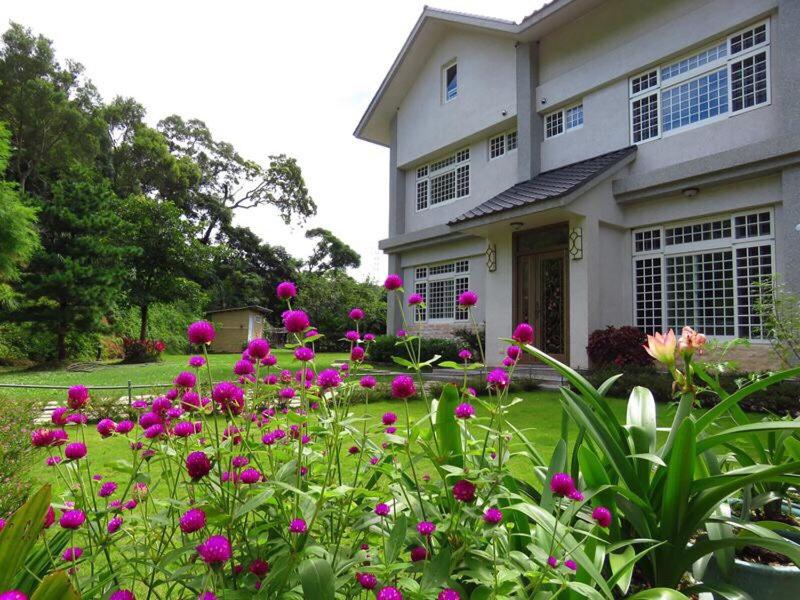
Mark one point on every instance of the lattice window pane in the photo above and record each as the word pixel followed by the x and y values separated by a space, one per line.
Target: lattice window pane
pixel 462 266
pixel 462 285
pixel 696 100
pixel 443 187
pixel 497 146
pixel 749 81
pixel 422 194
pixel 747 39
pixel 700 292
pixel 420 312
pixel 644 82
pixel 645 118
pixel 753 225
pixel 697 232
pixel 442 269
pixel 574 116
pixel 554 124
pixel 421 273
pixel 422 172
pixel 647 241
pixel 462 155
pixel 511 141
pixel 441 164
pixel 462 181
pixel 441 299
pixel 753 267
pixel 649 302
pixel 694 61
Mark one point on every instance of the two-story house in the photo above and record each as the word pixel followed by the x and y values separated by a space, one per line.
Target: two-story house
pixel 602 162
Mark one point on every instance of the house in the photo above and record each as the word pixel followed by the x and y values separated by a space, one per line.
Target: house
pixel 601 162
pixel 237 326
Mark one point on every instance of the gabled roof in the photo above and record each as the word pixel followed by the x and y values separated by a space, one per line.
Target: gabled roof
pixel 252 307
pixel 549 185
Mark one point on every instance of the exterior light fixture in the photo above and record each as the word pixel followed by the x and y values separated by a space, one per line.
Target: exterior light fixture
pixel 690 192
pixel 516 225
pixel 576 243
pixel 491 258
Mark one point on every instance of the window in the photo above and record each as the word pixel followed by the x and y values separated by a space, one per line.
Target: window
pixel 444 180
pixel 500 144
pixel 450 79
pixel 440 286
pixel 511 141
pixel 730 76
pixel 563 120
pixel 574 116
pixel 554 124
pixel 707 275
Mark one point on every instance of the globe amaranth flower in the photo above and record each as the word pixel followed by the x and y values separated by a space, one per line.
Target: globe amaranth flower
pixel 356 314
pixel 41 438
pixel 498 379
pixel 368 381
pixel 492 516
pixel 389 593
pixel 298 526
pixel 59 415
pixel 122 595
pixel 329 378
pixel 106 427
pixel 154 431
pixel 207 596
pixel 197 361
pixel 13 595
pixel 514 352
pixel 185 379
pixel 59 437
pixel 215 550
pixel 107 489
pixel 75 450
pixel 508 362
pixel 464 491
pixel 393 282
pixel 465 354
pixel 571 565
pixel 368 581
pixel 286 290
pixel 448 594
pixel 243 367
pixel 352 336
pixel 198 465
pixel 192 520
pixel 468 298
pixel 124 427
pixel 149 418
pixel 465 410
pixel 52 461
pixel 49 517
pixel 426 528
pixel 114 524
pixel 72 554
pixel 418 553
pixel 382 509
pixel 523 334
pixel 259 568
pixel 403 387
pixel 258 348
pixel 401 333
pixel 562 484
pixel 415 299
pixel 369 337
pixel 77 397
pixel 552 561
pixel 72 519
pixel 304 354
pixel 77 419
pixel 357 354
pixel 575 495
pixel 602 516
pixel 232 433
pixel 250 476
pixel 201 332
pixel 269 361
pixel 389 418
pixel 183 429
pixel 295 321
pixel 229 396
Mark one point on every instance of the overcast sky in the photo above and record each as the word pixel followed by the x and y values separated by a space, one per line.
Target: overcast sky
pixel 269 77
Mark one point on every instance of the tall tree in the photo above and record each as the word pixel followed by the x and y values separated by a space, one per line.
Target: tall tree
pixel 74 278
pixel 330 253
pixel 230 182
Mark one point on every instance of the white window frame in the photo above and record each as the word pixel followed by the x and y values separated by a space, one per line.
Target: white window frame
pixel 505 149
pixel 426 173
pixel 424 277
pixel 446 98
pixel 726 61
pixel 564 128
pixel 693 248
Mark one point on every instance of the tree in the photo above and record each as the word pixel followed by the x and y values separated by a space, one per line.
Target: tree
pixel 74 278
pixel 229 181
pixel 330 253
pixel 17 227
pixel 166 255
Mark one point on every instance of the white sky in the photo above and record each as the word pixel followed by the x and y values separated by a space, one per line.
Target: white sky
pixel 269 77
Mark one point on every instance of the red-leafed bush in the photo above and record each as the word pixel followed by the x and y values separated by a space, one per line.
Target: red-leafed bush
pixel 139 351
pixel 618 346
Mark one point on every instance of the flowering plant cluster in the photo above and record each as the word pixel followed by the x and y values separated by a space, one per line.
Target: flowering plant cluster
pixel 137 351
pixel 274 484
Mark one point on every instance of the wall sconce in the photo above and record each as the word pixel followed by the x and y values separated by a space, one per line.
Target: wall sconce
pixel 576 243
pixel 491 258
pixel 690 192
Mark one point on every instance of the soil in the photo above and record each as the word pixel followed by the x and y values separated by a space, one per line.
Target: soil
pixel 762 556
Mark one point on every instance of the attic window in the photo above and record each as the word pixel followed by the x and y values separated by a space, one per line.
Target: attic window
pixel 450 79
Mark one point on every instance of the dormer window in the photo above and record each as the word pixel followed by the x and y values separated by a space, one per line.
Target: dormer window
pixel 450 81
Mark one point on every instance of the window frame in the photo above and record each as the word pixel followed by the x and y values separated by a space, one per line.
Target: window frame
pixel 425 173
pixel 505 137
pixel 564 128
pixel 446 98
pixel 424 277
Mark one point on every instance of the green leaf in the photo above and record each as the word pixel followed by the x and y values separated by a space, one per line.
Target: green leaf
pixel 659 594
pixel 448 433
pixel 622 566
pixel 253 503
pixel 20 533
pixel 742 430
pixel 642 413
pixel 724 591
pixel 680 473
pixel 403 362
pixel 56 586
pixel 316 577
pixel 396 539
pixel 437 570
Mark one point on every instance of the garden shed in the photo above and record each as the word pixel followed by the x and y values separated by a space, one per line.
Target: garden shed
pixel 237 326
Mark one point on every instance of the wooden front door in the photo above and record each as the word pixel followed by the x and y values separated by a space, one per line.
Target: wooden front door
pixel 542 297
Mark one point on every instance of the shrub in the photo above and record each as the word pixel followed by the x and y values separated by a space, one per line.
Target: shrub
pixel 15 452
pixel 467 338
pixel 619 346
pixel 141 351
pixel 385 346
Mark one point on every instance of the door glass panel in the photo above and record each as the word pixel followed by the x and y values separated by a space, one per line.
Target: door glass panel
pixel 538 240
pixel 551 317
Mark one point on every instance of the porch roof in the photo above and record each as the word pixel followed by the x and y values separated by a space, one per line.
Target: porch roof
pixel 549 185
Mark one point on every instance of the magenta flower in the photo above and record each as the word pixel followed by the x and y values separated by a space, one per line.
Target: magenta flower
pixel 368 581
pixel 149 418
pixel 197 361
pixel 215 550
pixel 508 362
pixel 418 553
pixel 114 524
pixel 382 509
pixel 329 378
pixel 77 396
pixel 286 393
pixel 229 396
pixel 356 314
pixel 298 526
pixel 198 465
pixel 465 410
pixel 492 516
pixel 286 290
pixel 351 336
pixel 107 489
pixel 270 360
pixel 72 554
pixel 59 416
pixel 552 561
pixel 259 568
pixel 75 450
pixel 464 491
pixel 125 426
pixel 357 354
pixel 250 476
pixel 258 348
pixel 523 334
pixel 72 519
pixel 185 379
pixel 201 332
pixel 426 528
pixel 465 354
pixel 105 427
pixel 183 429
pixel 415 299
pixel 192 520
pixel 571 565
pixel 403 387
pixel 41 438
pixel 369 337
pixel 498 379
pixel 49 518
pixel 13 595
pixel 448 594
pixel 514 352
pixel 468 298
pixel 122 595
pixel 295 321
pixel 59 437
pixel 393 282
pixel 389 418
pixel 207 596
pixel 602 515
pixel 401 333
pixel 368 381
pixel 562 484
pixel 304 354
pixel 243 367
pixel 575 495
pixel 52 461
pixel 389 593
pixel 154 431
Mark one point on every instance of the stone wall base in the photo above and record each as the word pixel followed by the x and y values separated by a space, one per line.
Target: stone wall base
pixel 752 357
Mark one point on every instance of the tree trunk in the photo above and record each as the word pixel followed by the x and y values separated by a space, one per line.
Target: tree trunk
pixel 61 345
pixel 143 310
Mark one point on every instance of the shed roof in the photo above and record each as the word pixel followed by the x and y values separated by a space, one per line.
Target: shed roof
pixel 252 307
